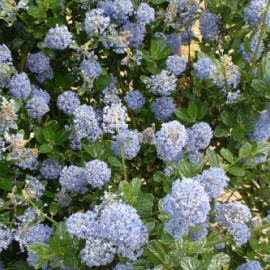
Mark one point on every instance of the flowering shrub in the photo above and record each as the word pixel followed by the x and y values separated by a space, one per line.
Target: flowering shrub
pixel 118 150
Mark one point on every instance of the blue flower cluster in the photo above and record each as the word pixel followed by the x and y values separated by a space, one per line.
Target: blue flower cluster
pixel 187 205
pixel 163 108
pixel 135 100
pixel 204 68
pixel 58 38
pixel 90 69
pixel 38 92
pixel 128 142
pixel 209 25
pixel 34 189
pixel 6 66
pixel 234 216
pixel 213 181
pixel 253 265
pixel 170 140
pixel 176 64
pixel 6 237
pixel 254 12
pixel 112 229
pixel 19 85
pixel 145 13
pixel 162 84
pixel 98 173
pixel 50 169
pixel 68 102
pixel 36 107
pixel 5 54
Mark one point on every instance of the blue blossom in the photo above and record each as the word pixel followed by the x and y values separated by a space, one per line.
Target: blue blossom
pixel 135 100
pixel 213 180
pixel 121 224
pixel 36 107
pixel 96 22
pixel 149 136
pixel 240 233
pixel 30 214
pixel 38 232
pixel 188 203
pixel 163 84
pixel 187 36
pixel 82 225
pixel 5 55
pixel 97 252
pixel 19 85
pixel 98 173
pixel 128 141
pixel 170 140
pixel 114 118
pixel 261 131
pixel 73 178
pixel 58 38
pixel 174 41
pixel 232 97
pixel 90 69
pixel 50 169
pixel 145 13
pixel 8 116
pixel 124 9
pixel 254 12
pixel 34 189
pixel 46 75
pixel 38 62
pixel 200 233
pixel 135 33
pixel 176 229
pixel 199 137
pixel 6 237
pixel 204 68
pixel 176 64
pixel 121 266
pixel 253 43
pixel 227 214
pixel 38 92
pixel 209 25
pixel 253 265
pixel 86 124
pixel 163 108
pixel 68 102
pixel 63 199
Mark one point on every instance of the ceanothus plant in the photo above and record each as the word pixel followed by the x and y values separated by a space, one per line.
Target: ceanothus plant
pixel 134 134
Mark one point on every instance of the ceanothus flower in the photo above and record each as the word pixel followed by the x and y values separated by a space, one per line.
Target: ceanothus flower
pixel 38 92
pixel 73 178
pixel 114 118
pixel 58 38
pixel 209 25
pixel 121 266
pixel 50 169
pixel 128 142
pixel 96 22
pixel 5 55
pixel 98 173
pixel 163 84
pixel 199 234
pixel 46 75
pixel 90 69
pixel 136 33
pixel 97 252
pixel 176 229
pixel 176 64
pixel 204 68
pixel 163 108
pixel 227 214
pixel 254 12
pixel 145 13
pixel 33 188
pixel 240 233
pixel 253 265
pixel 62 199
pixel 135 100
pixel 38 62
pixel 36 107
pixel 188 203
pixel 32 260
pixel 86 123
pixel 170 140
pixel 6 237
pixel 122 226
pixel 214 180
pixel 187 36
pixel 19 85
pixel 68 102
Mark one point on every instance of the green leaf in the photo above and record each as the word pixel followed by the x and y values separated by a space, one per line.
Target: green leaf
pixel 227 118
pixel 159 49
pixel 17 104
pixel 53 4
pixel 192 110
pixel 158 2
pixel 238 134
pixel 49 134
pixel 159 176
pixel 155 252
pixel 54 208
pixel 144 79
pixel 45 148
pixel 245 150
pixel 37 12
pixel 102 81
pixel 94 150
pixel 236 171
pixel 183 115
pixel 213 158
pixel 22 265
pixel 218 261
pixel 227 154
pixel 115 162
pixel 189 263
pixel 5 184
pixel 40 249
pixel 202 111
pixel 221 131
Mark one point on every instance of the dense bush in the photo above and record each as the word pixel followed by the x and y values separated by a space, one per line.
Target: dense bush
pixel 119 152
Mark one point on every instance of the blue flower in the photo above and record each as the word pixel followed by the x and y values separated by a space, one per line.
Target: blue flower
pixel 176 64
pixel 36 107
pixel 6 237
pixel 145 13
pixel 209 25
pixel 240 233
pixel 90 69
pixel 253 265
pixel 38 62
pixel 163 108
pixel 50 169
pixel 68 102
pixel 135 100
pixel 19 85
pixel 204 68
